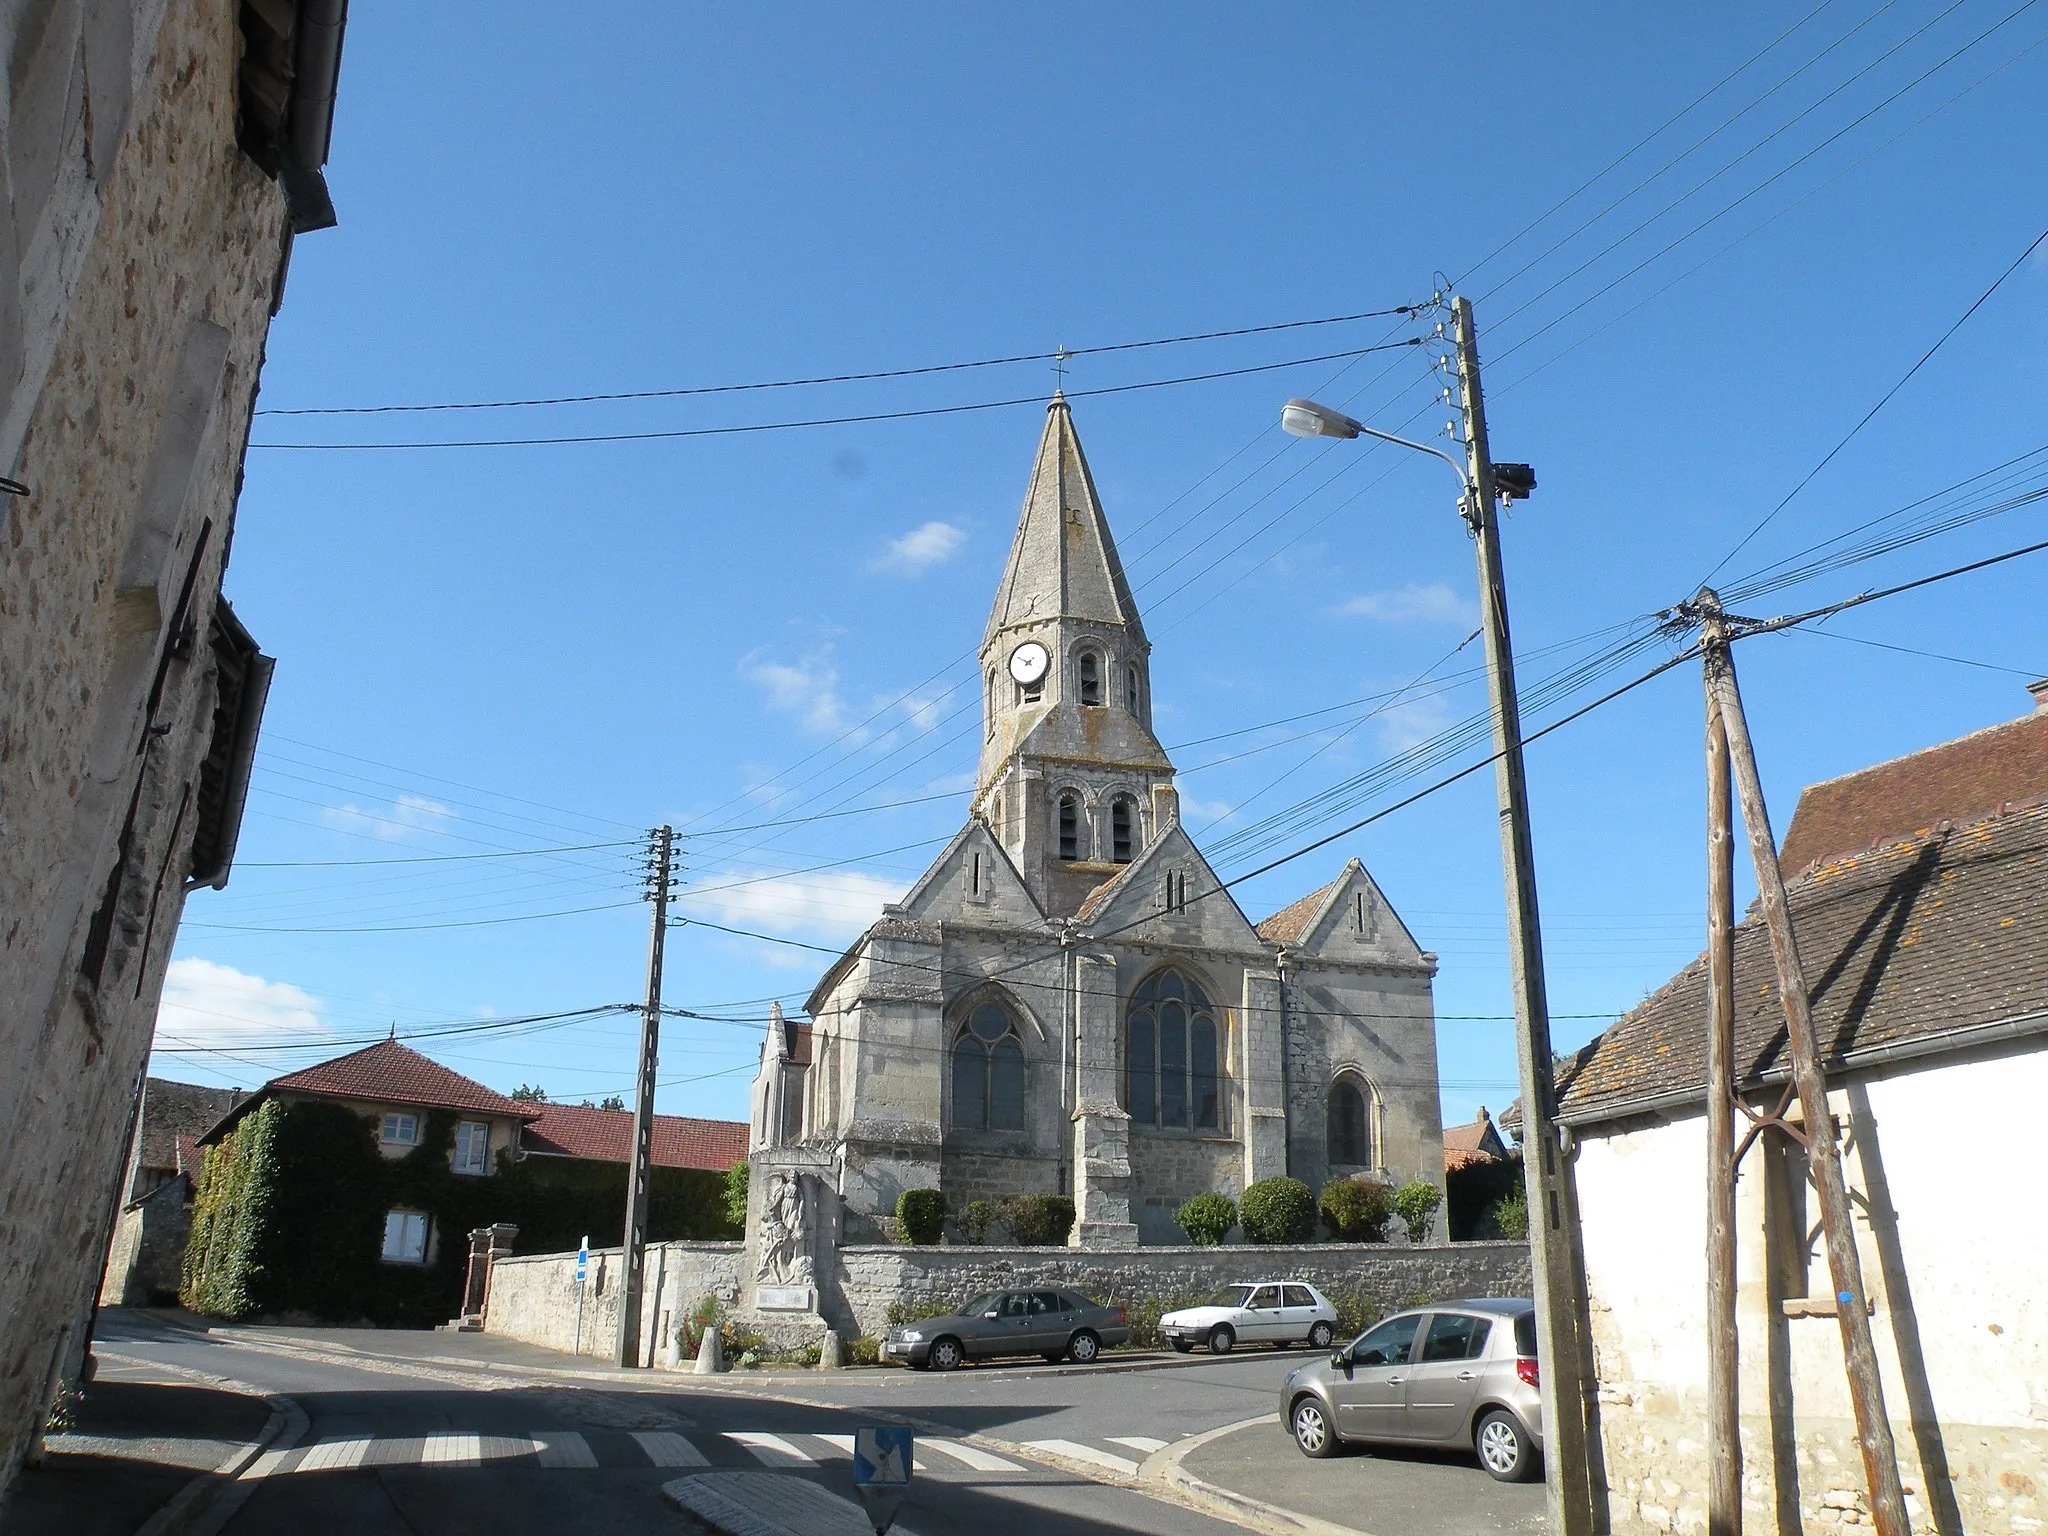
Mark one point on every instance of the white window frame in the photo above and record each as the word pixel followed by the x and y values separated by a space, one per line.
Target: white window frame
pixel 404 1232
pixel 472 1131
pixel 394 1121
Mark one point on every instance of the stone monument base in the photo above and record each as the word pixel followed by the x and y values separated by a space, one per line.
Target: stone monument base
pixel 783 1331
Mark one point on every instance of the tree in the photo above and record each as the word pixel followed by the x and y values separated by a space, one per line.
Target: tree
pixel 1206 1218
pixel 612 1101
pixel 1279 1210
pixel 736 1178
pixel 529 1093
pixel 1357 1209
pixel 1415 1203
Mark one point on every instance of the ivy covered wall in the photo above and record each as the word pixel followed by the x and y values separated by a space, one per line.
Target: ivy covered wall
pixel 289 1218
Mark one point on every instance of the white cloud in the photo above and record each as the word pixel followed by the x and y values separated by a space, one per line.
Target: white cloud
pixel 922 710
pixel 922 548
pixel 1412 604
pixel 808 690
pixel 206 1005
pixel 1208 811
pixel 407 816
pixel 832 904
pixel 1410 725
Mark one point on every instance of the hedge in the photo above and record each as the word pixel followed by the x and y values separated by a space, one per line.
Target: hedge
pixel 922 1215
pixel 1206 1218
pixel 1278 1210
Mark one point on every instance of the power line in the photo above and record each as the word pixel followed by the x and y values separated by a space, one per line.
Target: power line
pixel 838 378
pixel 430 858
pixel 832 421
pixel 1907 650
pixel 480 922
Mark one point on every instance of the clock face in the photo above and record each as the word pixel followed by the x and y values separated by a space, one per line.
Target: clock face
pixel 1028 663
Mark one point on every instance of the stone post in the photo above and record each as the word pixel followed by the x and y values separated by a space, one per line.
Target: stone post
pixel 486 1246
pixel 1102 1130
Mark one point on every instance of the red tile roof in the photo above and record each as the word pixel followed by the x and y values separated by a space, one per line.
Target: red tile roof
pixel 1476 1142
pixel 1959 781
pixel 1288 924
pixel 390 1073
pixel 606 1135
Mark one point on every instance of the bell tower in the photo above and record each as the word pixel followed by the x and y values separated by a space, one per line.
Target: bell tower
pixel 1072 780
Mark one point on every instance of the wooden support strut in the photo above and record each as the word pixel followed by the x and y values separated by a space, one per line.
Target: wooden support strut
pixel 1724 1423
pixel 1866 1390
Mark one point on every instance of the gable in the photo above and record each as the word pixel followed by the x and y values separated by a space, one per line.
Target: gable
pixel 1169 894
pixel 973 881
pixel 1357 925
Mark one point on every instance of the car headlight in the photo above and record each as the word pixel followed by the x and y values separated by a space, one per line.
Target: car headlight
pixel 913 1336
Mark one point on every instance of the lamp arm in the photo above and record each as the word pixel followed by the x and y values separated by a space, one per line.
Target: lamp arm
pixel 1464 480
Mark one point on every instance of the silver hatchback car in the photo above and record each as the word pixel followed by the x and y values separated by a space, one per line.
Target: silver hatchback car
pixel 1459 1373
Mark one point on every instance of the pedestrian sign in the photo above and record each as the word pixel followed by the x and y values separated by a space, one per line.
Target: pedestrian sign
pixel 881 1473
pixel 881 1456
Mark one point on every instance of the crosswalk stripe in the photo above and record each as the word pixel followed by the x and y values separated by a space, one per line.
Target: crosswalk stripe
pixel 771 1450
pixel 451 1450
pixel 666 1449
pixel 1073 1450
pixel 562 1448
pixel 843 1444
pixel 334 1455
pixel 1144 1443
pixel 969 1455
pixel 503 1447
pixel 393 1451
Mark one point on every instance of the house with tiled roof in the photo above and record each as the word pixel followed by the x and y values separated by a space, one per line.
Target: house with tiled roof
pixel 606 1135
pixel 155 1214
pixel 1918 892
pixel 1070 1002
pixel 1477 1141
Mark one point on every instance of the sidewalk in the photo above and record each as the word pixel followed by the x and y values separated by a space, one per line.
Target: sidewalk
pixel 135 1447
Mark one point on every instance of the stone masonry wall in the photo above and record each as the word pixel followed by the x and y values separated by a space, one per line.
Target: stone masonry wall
pixel 132 225
pixel 533 1299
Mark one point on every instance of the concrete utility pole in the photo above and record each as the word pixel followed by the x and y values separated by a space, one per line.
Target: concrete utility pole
pixel 1823 1156
pixel 643 1111
pixel 1554 1257
pixel 1724 1422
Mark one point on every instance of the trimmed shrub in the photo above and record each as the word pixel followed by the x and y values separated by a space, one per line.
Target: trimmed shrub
pixel 922 1215
pixel 1356 1312
pixel 1415 1203
pixel 901 1312
pixel 1037 1221
pixel 1278 1210
pixel 1206 1218
pixel 1142 1314
pixel 865 1350
pixel 1510 1214
pixel 975 1221
pixel 1357 1209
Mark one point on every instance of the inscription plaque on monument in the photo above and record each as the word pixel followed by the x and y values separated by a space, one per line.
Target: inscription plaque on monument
pixel 785 1298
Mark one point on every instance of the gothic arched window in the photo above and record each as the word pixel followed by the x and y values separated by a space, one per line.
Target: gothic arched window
pixel 1352 1122
pixel 1123 829
pixel 1071 844
pixel 1131 689
pixel 1089 669
pixel 988 1072
pixel 1171 1072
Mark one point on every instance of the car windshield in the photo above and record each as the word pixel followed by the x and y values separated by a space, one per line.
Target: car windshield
pixel 981 1304
pixel 1230 1296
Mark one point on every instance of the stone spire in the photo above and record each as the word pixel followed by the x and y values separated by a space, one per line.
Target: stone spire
pixel 1063 563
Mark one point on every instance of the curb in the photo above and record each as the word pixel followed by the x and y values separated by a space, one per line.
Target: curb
pixel 1164 1467
pixel 216 1491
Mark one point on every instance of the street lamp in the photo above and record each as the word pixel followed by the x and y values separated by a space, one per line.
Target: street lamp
pixel 1553 1207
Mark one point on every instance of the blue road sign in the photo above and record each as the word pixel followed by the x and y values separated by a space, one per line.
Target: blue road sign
pixel 881 1457
pixel 583 1259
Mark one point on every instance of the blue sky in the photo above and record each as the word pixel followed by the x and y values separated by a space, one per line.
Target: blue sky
pixel 497 650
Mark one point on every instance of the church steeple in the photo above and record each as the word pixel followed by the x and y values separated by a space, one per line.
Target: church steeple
pixel 1063 563
pixel 1072 780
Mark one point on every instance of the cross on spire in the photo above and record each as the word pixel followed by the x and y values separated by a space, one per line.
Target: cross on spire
pixel 1059 369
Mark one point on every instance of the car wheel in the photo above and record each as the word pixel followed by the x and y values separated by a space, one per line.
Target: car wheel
pixel 945 1355
pixel 1180 1346
pixel 1084 1347
pixel 1310 1422
pixel 1221 1339
pixel 1320 1336
pixel 1504 1448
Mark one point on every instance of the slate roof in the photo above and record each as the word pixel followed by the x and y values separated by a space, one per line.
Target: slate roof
pixel 1963 780
pixel 390 1073
pixel 173 1113
pixel 606 1135
pixel 1292 921
pixel 1926 938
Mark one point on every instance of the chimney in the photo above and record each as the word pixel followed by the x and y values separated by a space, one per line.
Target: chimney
pixel 2039 690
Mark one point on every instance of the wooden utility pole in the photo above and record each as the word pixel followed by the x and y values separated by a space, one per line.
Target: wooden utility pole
pixel 1554 1259
pixel 1724 1421
pixel 643 1111
pixel 1823 1156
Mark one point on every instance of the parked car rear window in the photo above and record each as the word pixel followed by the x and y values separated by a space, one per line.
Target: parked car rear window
pixel 1229 1296
pixel 1454 1336
pixel 1297 1296
pixel 1525 1335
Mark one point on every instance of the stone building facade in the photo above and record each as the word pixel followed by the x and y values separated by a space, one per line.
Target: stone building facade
pixel 156 157
pixel 1069 1001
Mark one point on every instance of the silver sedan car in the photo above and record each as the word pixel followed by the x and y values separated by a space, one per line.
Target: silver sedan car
pixel 1458 1373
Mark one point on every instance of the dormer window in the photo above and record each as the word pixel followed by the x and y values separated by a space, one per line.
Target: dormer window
pixel 1070 827
pixel 1123 829
pixel 1089 670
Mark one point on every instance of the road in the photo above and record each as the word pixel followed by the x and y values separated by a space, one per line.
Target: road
pixel 407 1447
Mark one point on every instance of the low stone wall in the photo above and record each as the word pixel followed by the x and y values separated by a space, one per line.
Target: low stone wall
pixel 534 1298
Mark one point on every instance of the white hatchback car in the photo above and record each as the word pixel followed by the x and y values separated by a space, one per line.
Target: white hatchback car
pixel 1276 1312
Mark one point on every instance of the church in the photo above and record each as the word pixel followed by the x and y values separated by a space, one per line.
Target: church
pixel 1069 1001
